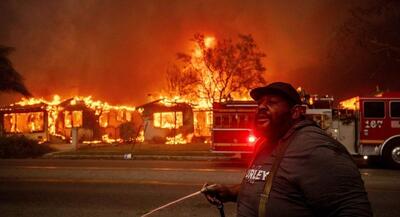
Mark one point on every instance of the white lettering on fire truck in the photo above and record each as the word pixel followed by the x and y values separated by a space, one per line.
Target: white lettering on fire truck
pixel 373 124
pixel 395 124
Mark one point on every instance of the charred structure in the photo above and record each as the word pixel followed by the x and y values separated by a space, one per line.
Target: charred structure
pixel 53 121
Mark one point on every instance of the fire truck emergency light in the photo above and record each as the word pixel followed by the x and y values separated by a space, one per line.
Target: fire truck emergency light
pixel 252 139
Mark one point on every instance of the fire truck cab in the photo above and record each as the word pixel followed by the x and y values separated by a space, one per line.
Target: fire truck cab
pixel 370 126
pixel 366 126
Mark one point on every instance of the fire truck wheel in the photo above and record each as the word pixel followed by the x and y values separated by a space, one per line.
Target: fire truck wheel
pixel 391 153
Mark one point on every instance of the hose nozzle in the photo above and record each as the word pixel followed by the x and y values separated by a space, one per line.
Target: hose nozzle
pixel 206 188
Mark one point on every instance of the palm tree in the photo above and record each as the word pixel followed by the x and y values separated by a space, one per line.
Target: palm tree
pixel 10 79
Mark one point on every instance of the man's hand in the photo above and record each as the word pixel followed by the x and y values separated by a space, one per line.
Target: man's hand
pixel 217 194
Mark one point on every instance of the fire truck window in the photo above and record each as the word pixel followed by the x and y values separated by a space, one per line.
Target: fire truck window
pixel 242 121
pixel 395 109
pixel 374 109
pixel 234 121
pixel 217 121
pixel 225 121
pixel 250 122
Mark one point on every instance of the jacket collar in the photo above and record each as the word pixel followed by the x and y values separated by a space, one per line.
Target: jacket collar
pixel 296 127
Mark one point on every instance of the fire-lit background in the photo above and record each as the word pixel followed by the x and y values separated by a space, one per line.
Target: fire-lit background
pixel 119 51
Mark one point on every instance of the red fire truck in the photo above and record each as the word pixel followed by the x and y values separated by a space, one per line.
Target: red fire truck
pixel 366 126
pixel 370 126
pixel 232 130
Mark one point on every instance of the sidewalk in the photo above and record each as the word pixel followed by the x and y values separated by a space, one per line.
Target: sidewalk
pixel 197 151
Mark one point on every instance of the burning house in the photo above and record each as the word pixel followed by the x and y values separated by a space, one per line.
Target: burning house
pixel 170 123
pixel 55 120
pixel 160 121
pixel 31 120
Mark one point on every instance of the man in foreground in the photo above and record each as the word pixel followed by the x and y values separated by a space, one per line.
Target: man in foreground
pixel 298 170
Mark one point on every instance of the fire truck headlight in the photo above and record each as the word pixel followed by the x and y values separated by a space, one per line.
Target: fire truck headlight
pixel 251 139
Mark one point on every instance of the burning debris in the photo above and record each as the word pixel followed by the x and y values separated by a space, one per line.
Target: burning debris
pixel 96 121
pixel 178 139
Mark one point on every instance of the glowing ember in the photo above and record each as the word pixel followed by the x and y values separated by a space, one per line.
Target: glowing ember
pixel 140 137
pixel 105 138
pixel 178 139
pixel 92 142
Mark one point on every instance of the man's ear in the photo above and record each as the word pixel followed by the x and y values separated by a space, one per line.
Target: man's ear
pixel 298 111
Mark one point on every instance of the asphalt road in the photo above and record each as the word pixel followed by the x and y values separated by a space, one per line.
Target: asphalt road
pixel 130 188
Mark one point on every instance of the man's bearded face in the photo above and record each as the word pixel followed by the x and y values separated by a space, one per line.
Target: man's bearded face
pixel 273 116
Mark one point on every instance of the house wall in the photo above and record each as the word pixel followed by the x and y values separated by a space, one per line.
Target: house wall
pixel 157 134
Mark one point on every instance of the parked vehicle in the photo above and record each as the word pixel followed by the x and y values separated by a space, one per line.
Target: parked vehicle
pixel 366 126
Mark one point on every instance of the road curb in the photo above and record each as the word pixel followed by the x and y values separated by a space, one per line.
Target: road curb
pixel 135 157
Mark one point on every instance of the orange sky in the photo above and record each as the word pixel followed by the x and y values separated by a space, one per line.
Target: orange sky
pixel 118 51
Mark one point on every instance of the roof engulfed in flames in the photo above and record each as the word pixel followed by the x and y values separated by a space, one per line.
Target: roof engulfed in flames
pixel 352 103
pixel 53 108
pixel 88 101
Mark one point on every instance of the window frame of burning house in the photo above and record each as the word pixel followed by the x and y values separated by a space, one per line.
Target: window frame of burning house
pixel 160 119
pixel 35 118
pixel 71 120
pixel 376 111
pixel 104 119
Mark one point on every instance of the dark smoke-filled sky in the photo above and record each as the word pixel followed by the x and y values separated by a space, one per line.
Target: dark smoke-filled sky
pixel 118 51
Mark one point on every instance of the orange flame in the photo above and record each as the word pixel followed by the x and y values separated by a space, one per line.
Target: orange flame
pixel 178 139
pixel 72 119
pixel 209 41
pixel 352 103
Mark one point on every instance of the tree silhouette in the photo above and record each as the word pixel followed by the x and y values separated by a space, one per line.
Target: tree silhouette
pixel 365 51
pixel 374 27
pixel 10 79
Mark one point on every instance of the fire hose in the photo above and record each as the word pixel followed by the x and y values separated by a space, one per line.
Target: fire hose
pixel 220 206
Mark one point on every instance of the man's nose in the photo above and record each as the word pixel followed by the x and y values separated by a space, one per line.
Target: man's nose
pixel 262 108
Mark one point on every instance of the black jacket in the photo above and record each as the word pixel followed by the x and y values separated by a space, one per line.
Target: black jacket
pixel 317 177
